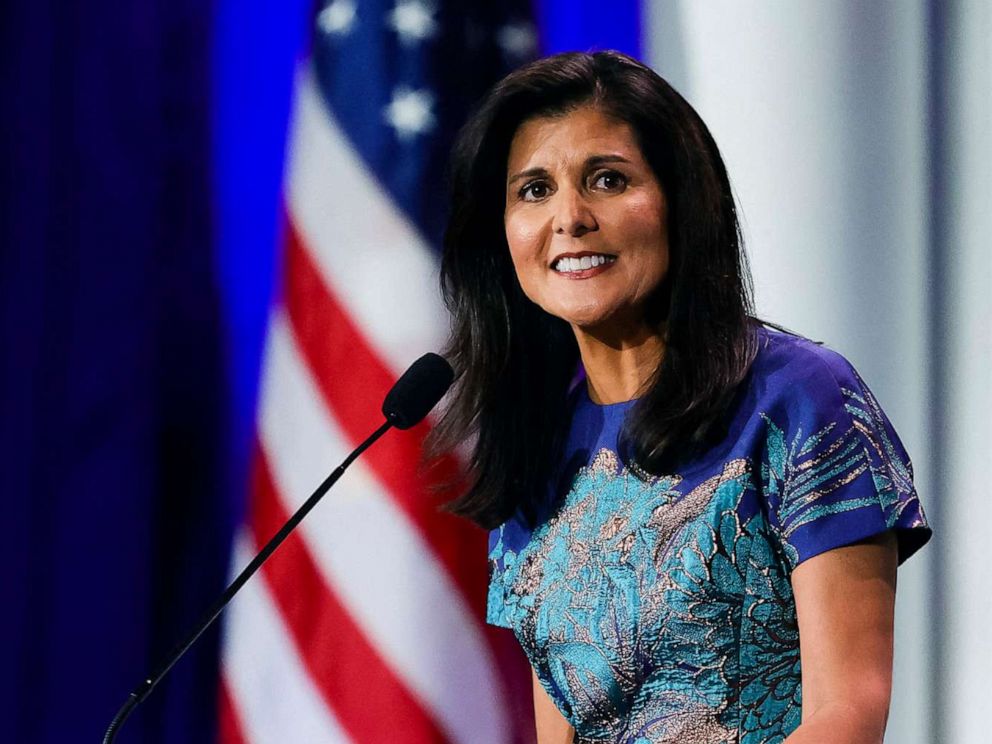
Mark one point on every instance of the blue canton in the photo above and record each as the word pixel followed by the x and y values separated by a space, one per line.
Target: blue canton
pixel 400 77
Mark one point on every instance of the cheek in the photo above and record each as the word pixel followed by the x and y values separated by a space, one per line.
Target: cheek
pixel 525 241
pixel 650 231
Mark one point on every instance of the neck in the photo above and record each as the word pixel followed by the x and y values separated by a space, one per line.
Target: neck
pixel 618 368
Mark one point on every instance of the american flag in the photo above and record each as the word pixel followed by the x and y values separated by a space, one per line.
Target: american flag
pixel 366 625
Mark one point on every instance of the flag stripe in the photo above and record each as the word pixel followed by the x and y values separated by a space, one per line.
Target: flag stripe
pixel 381 595
pixel 364 247
pixel 353 382
pixel 228 725
pixel 274 697
pixel 348 671
pixel 373 558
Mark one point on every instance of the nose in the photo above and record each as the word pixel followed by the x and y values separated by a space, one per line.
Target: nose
pixel 573 215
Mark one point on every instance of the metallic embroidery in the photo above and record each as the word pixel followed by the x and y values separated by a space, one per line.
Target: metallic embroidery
pixel 654 610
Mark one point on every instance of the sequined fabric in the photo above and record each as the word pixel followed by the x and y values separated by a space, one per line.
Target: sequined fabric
pixel 660 609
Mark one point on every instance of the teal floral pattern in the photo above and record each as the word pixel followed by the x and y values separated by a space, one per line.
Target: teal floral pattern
pixel 660 609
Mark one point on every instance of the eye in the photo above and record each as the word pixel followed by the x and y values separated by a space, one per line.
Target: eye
pixel 534 191
pixel 609 180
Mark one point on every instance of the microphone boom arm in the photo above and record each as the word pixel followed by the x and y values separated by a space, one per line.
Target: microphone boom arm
pixel 142 691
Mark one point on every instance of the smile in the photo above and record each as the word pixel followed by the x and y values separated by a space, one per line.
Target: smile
pixel 581 263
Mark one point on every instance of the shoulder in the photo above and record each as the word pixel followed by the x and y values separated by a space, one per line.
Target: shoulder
pixel 807 395
pixel 797 359
pixel 792 373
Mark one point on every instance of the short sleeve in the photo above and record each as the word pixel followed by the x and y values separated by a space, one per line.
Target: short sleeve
pixel 834 471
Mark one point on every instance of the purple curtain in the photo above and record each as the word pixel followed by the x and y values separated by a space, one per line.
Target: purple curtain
pixel 112 403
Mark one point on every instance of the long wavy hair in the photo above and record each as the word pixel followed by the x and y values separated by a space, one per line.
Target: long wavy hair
pixel 514 362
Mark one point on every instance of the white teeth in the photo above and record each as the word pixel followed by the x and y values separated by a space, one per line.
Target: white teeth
pixel 567 265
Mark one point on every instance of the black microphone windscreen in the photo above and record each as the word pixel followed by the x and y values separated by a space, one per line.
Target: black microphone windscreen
pixel 418 391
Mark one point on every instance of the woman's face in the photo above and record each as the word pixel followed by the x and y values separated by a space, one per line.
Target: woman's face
pixel 585 219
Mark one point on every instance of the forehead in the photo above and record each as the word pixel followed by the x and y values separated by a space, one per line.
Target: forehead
pixel 576 134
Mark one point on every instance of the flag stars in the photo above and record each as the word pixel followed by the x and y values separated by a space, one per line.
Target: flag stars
pixel 410 112
pixel 413 21
pixel 338 18
pixel 517 40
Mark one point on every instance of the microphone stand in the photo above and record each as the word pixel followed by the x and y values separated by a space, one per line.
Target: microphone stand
pixel 144 689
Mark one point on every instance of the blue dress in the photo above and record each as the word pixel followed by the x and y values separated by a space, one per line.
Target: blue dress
pixel 661 609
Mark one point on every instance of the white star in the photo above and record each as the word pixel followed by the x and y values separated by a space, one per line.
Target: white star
pixel 517 40
pixel 413 20
pixel 338 18
pixel 409 113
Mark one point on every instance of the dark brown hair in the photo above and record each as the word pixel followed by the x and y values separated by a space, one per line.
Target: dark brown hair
pixel 514 362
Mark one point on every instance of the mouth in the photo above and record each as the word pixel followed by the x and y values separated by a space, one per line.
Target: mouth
pixel 582 265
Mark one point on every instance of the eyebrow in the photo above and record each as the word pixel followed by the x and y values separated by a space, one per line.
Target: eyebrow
pixel 591 162
pixel 595 160
pixel 529 173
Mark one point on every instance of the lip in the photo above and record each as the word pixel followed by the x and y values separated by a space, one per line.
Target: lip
pixel 584 273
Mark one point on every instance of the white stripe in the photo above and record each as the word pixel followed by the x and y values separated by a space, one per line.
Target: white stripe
pixel 377 562
pixel 274 697
pixel 367 251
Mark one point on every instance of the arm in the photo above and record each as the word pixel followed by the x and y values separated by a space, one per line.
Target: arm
pixel 845 600
pixel 552 728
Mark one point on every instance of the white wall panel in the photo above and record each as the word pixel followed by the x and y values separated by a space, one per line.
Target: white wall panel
pixel 820 110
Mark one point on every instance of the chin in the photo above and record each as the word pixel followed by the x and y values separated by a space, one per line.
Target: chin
pixel 581 317
pixel 605 323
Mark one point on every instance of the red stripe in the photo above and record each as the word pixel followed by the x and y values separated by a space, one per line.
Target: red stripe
pixel 342 362
pixel 353 382
pixel 369 701
pixel 228 725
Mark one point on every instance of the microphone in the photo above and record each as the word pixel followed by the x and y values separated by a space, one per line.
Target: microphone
pixel 418 391
pixel 407 403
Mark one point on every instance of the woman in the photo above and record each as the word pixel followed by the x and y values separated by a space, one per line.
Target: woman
pixel 691 512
